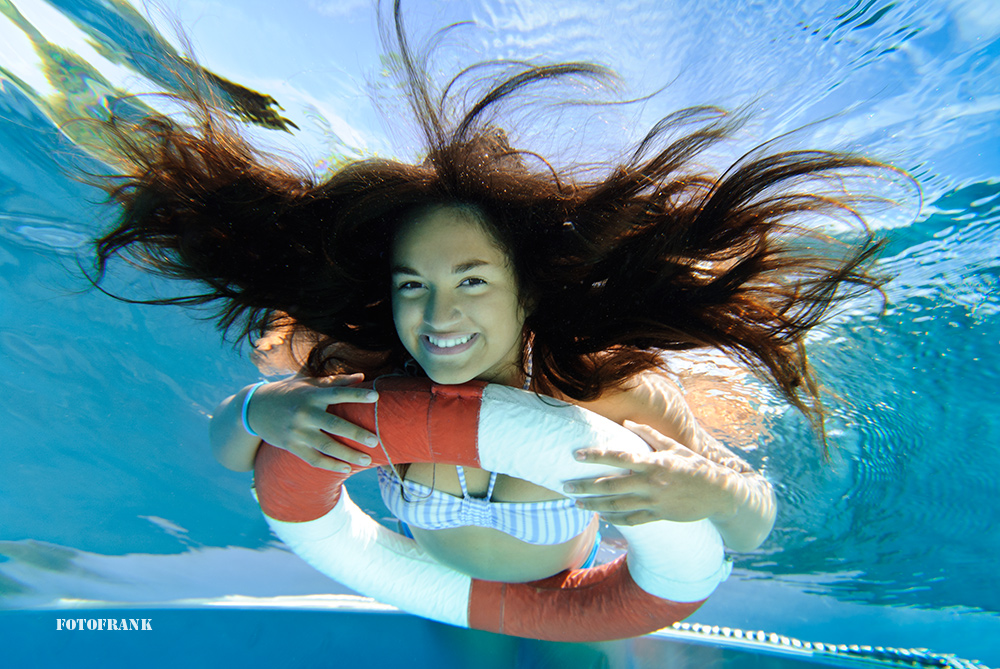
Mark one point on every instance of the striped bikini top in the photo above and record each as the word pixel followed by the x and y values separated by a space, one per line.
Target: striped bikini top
pixel 541 523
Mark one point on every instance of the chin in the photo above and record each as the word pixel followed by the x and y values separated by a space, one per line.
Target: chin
pixel 449 378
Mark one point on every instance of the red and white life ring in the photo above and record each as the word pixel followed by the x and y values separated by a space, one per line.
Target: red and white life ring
pixel 669 570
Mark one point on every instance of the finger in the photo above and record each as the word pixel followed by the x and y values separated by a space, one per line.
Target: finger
pixel 638 517
pixel 336 450
pixel 316 459
pixel 312 421
pixel 334 383
pixel 344 379
pixel 338 427
pixel 604 485
pixel 614 504
pixel 341 395
pixel 599 456
pixel 656 440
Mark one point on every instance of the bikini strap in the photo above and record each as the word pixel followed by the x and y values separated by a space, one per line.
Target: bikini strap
pixel 461 480
pixel 465 490
pixel 493 482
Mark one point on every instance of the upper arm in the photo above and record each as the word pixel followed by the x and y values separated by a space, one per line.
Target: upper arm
pixel 232 445
pixel 652 399
pixel 656 401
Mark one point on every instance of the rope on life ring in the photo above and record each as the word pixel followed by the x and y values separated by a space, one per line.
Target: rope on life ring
pixel 670 568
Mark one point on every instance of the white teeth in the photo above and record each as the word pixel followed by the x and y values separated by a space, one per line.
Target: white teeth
pixel 449 343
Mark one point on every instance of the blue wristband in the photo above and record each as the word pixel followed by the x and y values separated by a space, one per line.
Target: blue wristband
pixel 246 405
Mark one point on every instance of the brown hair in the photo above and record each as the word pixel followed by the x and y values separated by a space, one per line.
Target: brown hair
pixel 655 255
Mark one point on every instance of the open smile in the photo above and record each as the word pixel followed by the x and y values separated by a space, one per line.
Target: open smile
pixel 448 344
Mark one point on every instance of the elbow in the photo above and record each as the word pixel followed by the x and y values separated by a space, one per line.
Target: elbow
pixel 237 457
pixel 746 540
pixel 233 464
pixel 233 450
pixel 768 513
pixel 750 528
pixel 754 539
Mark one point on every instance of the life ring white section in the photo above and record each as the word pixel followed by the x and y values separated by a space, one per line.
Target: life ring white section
pixel 533 438
pixel 528 437
pixel 354 550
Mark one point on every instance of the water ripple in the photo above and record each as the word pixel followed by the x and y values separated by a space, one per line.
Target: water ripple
pixel 62 237
pixel 912 479
pixel 953 254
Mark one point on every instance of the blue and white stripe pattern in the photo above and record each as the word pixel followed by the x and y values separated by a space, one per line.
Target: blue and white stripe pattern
pixel 540 523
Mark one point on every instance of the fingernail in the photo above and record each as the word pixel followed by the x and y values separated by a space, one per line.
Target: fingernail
pixel 371 442
pixel 569 487
pixel 364 461
pixel 344 469
pixel 372 395
pixel 579 455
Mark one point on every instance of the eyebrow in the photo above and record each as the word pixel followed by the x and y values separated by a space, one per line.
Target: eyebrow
pixel 457 269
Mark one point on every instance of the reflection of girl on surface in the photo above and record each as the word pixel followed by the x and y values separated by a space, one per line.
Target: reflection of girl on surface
pixel 482 262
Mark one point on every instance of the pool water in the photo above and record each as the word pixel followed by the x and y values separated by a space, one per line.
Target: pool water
pixel 108 492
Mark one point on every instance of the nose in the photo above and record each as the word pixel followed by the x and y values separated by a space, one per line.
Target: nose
pixel 441 310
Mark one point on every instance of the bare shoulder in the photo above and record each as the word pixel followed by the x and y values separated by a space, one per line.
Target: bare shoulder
pixel 655 400
pixel 281 350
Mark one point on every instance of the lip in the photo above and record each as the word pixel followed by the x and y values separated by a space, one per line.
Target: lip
pixel 425 342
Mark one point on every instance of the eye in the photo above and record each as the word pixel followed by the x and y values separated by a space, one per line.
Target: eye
pixel 473 281
pixel 408 286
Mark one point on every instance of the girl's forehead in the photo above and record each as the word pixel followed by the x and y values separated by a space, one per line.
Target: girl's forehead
pixel 447 232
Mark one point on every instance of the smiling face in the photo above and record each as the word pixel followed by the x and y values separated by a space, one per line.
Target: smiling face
pixel 455 300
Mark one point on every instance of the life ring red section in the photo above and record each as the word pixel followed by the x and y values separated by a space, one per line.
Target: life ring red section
pixel 596 604
pixel 422 422
pixel 418 422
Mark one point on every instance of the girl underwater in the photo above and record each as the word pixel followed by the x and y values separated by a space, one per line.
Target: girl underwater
pixel 486 262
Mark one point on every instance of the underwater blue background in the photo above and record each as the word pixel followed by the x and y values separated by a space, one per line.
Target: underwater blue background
pixel 108 491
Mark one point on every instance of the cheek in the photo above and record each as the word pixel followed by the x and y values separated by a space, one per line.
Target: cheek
pixel 400 317
pixel 513 322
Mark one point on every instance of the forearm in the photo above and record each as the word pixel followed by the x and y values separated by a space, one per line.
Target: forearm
pixel 689 476
pixel 232 445
pixel 750 522
pixel 747 524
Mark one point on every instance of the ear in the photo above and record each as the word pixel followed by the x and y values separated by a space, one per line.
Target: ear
pixel 529 303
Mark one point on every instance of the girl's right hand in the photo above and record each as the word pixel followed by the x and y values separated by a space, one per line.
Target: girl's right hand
pixel 291 414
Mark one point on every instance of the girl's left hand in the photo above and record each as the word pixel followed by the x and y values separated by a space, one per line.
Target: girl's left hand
pixel 670 483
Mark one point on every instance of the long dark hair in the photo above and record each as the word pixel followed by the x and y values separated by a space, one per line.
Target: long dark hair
pixel 655 255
